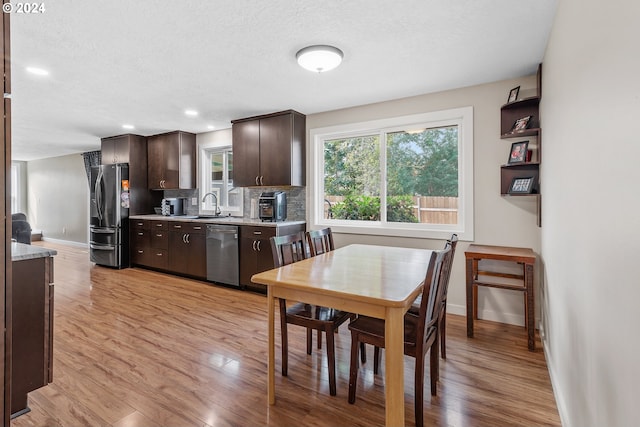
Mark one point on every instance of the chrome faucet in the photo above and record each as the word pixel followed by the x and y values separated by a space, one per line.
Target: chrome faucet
pixel 216 211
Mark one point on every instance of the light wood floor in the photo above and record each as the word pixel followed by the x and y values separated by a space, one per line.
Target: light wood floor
pixel 140 348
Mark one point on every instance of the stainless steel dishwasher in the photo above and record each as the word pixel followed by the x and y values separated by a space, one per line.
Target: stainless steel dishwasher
pixel 222 254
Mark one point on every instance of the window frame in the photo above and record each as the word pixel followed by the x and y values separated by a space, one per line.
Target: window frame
pixel 207 207
pixel 462 117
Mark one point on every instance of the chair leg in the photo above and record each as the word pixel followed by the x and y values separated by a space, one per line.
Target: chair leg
pixel 353 368
pixel 434 367
pixel 309 339
pixel 363 353
pixel 376 360
pixel 319 339
pixel 443 333
pixel 283 334
pixel 419 389
pixel 331 358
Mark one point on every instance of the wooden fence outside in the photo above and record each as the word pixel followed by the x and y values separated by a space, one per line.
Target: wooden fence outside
pixel 428 210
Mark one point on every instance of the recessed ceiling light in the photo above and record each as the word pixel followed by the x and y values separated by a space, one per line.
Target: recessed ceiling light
pixel 191 113
pixel 128 126
pixel 319 58
pixel 37 71
pixel 211 127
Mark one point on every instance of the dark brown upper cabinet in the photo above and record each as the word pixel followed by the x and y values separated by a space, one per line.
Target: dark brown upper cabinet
pixel 172 161
pixel 269 150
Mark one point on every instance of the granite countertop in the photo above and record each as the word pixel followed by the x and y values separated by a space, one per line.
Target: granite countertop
pixel 231 220
pixel 20 252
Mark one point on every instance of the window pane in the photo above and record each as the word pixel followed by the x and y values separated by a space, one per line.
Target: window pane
pixel 422 176
pixel 352 178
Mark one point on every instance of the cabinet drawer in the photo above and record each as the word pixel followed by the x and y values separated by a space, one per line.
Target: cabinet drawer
pixel 158 225
pixel 139 224
pixel 158 258
pixel 140 237
pixel 188 227
pixel 257 232
pixel 159 239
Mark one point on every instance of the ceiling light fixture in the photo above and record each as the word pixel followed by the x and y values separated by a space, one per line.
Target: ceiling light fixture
pixel 37 71
pixel 128 127
pixel 319 58
pixel 191 113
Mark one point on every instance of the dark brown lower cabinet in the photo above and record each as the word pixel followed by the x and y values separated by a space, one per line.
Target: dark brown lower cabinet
pixel 32 331
pixel 255 250
pixel 187 249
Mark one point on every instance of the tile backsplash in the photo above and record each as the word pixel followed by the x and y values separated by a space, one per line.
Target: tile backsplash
pixel 296 200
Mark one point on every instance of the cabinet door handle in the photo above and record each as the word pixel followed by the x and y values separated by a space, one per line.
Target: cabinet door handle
pixel 261 180
pixel 254 245
pixel 258 245
pixel 177 226
pixel 257 233
pixel 140 251
pixel 257 180
pixel 158 225
pixel 140 233
pixel 197 228
pixel 159 235
pixel 188 236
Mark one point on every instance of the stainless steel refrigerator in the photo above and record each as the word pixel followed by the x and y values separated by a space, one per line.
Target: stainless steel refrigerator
pixel 109 225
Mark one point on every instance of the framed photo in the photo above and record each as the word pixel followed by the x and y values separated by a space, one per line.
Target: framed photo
pixel 521 185
pixel 518 152
pixel 521 124
pixel 513 94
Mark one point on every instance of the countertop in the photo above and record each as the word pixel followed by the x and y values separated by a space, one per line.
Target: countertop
pixel 231 220
pixel 20 252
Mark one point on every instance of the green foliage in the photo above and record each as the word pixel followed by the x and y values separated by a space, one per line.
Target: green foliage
pixel 418 164
pixel 367 208
pixel 400 209
pixel 362 208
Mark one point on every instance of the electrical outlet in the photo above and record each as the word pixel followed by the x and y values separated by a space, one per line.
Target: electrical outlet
pixel 194 201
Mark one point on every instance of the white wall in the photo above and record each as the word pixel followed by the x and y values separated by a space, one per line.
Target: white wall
pixel 58 198
pixel 591 225
pixel 498 220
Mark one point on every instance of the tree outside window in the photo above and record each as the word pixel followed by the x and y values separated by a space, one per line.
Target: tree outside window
pixel 417 176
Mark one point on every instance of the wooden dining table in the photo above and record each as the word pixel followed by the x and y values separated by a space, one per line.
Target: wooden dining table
pixel 376 281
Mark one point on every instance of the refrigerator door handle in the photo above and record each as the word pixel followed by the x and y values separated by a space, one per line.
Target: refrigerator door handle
pixel 98 192
pixel 102 248
pixel 103 230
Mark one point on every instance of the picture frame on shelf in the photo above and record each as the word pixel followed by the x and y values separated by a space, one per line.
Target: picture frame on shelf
pixel 513 94
pixel 521 124
pixel 518 152
pixel 521 185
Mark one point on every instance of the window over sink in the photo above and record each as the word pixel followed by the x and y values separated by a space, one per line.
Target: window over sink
pixel 408 176
pixel 216 182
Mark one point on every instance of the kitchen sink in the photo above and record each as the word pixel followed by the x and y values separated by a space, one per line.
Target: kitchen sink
pixel 217 218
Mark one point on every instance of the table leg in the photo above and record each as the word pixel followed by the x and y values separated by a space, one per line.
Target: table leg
pixel 394 367
pixel 470 314
pixel 530 312
pixel 271 363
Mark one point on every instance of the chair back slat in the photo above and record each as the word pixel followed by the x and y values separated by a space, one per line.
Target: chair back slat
pixel 320 241
pixel 288 249
pixel 430 305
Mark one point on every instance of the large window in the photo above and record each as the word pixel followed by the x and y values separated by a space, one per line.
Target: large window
pixel 406 176
pixel 217 178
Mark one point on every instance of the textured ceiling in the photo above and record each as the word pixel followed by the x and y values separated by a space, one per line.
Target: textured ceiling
pixel 144 62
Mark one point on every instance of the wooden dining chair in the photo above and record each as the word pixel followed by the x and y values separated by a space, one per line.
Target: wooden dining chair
pixel 320 241
pixel 420 334
pixel 442 321
pixel 286 250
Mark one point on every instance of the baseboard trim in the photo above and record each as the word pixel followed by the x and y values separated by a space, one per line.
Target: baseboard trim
pixel 494 316
pixel 66 242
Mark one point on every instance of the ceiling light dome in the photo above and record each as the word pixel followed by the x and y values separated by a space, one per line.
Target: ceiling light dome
pixel 319 58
